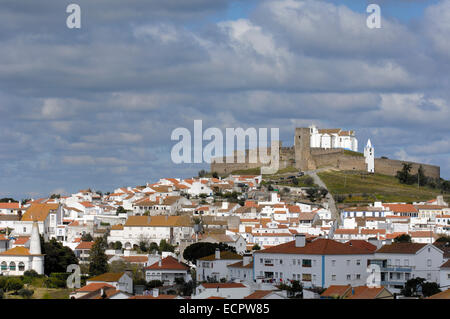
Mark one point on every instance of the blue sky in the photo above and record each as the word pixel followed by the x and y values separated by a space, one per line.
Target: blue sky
pixel 96 107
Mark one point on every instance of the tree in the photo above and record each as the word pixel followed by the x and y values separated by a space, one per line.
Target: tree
pixel 57 256
pixel 443 239
pixel 199 250
pixel 404 238
pixel 165 246
pixel 87 237
pixel 215 175
pixel 309 181
pixel 256 247
pixel 98 261
pixel 120 210
pixel 202 173
pixel 117 245
pixel 427 288
pixel 14 284
pixel 7 200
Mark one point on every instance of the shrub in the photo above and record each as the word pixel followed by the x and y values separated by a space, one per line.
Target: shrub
pixel 14 284
pixel 31 273
pixel 153 284
pixel 26 293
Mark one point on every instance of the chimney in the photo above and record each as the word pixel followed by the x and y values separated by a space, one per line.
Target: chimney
pixel 247 259
pixel 155 292
pixel 217 253
pixel 300 240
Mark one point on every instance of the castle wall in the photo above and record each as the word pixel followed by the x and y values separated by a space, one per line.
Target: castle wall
pixel 303 157
pixel 390 167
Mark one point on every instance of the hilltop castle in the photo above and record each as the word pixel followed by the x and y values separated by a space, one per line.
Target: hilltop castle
pixel 315 148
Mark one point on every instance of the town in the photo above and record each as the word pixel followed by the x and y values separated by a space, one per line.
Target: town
pixel 234 236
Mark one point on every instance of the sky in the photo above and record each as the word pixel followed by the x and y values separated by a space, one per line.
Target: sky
pixel 95 107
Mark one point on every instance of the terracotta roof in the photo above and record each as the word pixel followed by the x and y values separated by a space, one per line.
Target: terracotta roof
pixel 422 234
pixel 9 206
pixel 346 231
pixel 258 294
pixel 16 251
pixel 117 227
pixel 85 245
pixel 362 244
pixel 107 277
pixel 227 255
pixel 39 212
pixel 401 248
pixel 364 292
pixel 401 208
pixel 334 291
pixel 21 240
pixel 223 285
pixel 320 246
pixel 441 295
pixel 168 263
pixel 94 287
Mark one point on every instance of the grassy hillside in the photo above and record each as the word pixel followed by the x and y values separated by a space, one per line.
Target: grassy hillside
pixel 367 188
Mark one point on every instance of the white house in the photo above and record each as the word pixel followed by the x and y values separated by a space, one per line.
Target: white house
pixel 121 281
pixel 444 275
pixel 215 266
pixel 241 270
pixel 333 138
pixel 318 263
pixel 167 270
pixel 400 262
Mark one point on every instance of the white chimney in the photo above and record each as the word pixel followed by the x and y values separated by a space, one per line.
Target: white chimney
pixel 300 240
pixel 217 253
pixel 155 292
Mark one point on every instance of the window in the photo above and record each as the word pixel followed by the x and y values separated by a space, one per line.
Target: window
pixel 358 262
pixel 333 263
pixel 349 277
pixel 306 277
pixel 397 262
pixel 293 262
pixel 406 262
pixel 12 266
pixel 333 277
pixel 358 276
pixel 281 261
pixel 5 266
pixel 429 262
pixel 306 263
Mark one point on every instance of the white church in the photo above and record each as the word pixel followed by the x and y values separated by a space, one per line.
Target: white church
pixel 333 138
pixel 17 260
pixel 369 155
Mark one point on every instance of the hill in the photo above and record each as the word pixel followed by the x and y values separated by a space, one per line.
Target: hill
pixel 360 187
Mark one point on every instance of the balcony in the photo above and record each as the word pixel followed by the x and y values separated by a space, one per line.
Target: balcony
pixel 392 283
pixel 391 268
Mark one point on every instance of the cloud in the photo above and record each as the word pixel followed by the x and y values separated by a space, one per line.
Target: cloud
pixel 97 106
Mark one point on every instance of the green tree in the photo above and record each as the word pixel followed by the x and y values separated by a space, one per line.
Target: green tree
pixel 443 239
pixel 117 245
pixel 309 181
pixel 120 210
pixel 202 173
pixel 404 238
pixel 87 237
pixel 199 250
pixel 57 256
pixel 165 246
pixel 7 200
pixel 215 175
pixel 256 247
pixel 98 261
pixel 14 284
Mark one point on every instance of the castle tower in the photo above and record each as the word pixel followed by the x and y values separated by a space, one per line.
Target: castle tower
pixel 369 155
pixel 302 142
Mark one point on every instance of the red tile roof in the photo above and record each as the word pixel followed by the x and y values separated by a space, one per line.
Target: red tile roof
pixel 94 287
pixel 401 248
pixel 85 245
pixel 320 246
pixel 258 294
pixel 168 263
